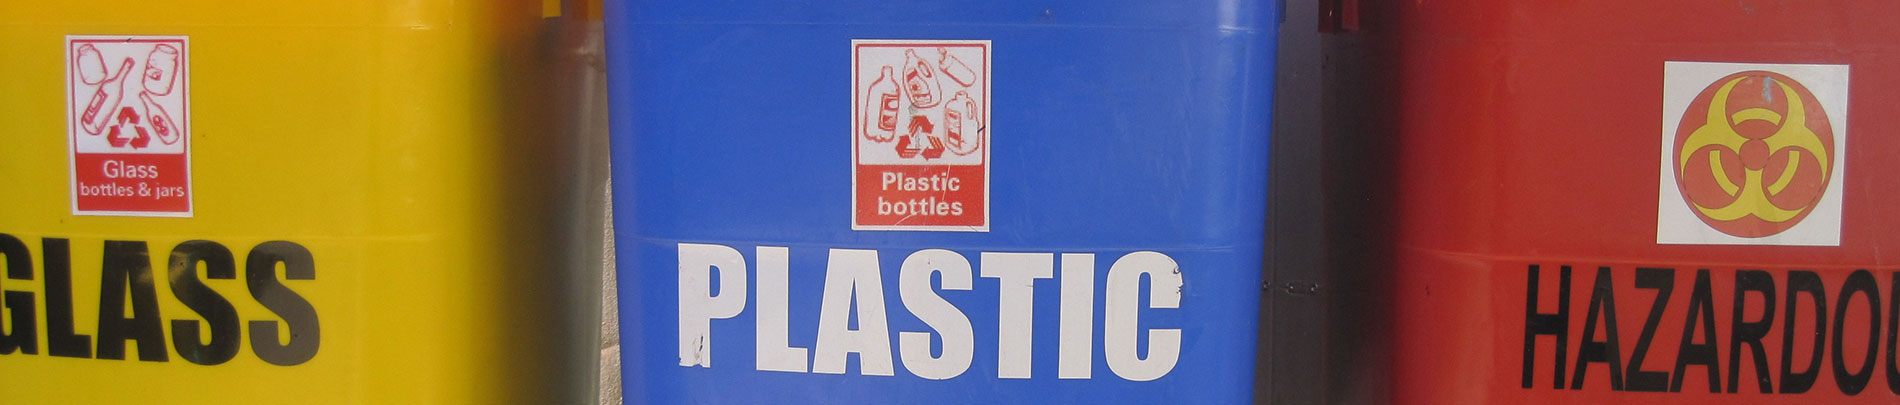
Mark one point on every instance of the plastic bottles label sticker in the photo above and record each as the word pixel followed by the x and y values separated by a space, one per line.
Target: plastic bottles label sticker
pixel 1752 154
pixel 921 135
pixel 128 125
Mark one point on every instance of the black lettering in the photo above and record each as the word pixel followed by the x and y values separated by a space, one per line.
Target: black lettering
pixel 127 270
pixel 22 332
pixel 260 273
pixel 1893 334
pixel 1750 333
pixel 218 312
pixel 1701 307
pixel 1663 280
pixel 1555 325
pixel 1602 302
pixel 1803 281
pixel 58 271
pixel 1861 282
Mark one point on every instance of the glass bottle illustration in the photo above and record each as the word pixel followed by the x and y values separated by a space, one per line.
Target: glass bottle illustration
pixel 92 66
pixel 160 120
pixel 161 67
pixel 106 100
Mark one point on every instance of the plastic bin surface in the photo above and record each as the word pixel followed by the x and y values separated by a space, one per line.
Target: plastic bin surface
pixel 1639 202
pixel 1111 253
pixel 324 202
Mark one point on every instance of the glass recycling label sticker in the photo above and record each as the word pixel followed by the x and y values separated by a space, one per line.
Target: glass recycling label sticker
pixel 129 125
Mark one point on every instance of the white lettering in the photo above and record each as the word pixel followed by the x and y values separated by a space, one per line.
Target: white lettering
pixel 959 341
pixel 935 182
pixel 1016 308
pixel 698 306
pixel 115 169
pixel 774 354
pixel 1077 333
pixel 1120 320
pixel 852 315
pixel 853 273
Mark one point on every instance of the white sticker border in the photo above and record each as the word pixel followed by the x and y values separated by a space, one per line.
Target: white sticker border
pixel 72 142
pixel 989 52
pixel 1676 225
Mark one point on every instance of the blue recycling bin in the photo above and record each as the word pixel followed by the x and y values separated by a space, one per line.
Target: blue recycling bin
pixel 940 202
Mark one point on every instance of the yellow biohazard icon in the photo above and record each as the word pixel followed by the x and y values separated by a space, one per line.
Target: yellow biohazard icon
pixel 1753 154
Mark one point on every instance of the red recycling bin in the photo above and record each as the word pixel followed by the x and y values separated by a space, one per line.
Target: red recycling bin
pixel 1630 201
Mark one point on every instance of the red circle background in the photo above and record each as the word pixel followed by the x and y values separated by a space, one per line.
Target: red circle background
pixel 1696 180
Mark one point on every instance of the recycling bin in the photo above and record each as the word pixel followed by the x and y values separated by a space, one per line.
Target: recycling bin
pixel 327 202
pixel 987 201
pixel 1626 201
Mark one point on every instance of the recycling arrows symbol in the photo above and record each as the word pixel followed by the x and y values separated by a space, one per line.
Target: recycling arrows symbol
pixel 128 117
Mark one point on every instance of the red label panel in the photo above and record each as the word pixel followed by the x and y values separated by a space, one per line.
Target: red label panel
pixel 131 182
pixel 905 195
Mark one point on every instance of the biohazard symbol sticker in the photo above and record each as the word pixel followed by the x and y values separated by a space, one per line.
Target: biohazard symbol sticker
pixel 1753 154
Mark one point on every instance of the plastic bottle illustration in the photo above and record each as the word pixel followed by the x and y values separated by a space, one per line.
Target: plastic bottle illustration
pixel 920 80
pixel 955 68
pixel 963 128
pixel 106 100
pixel 880 109
pixel 161 67
pixel 92 66
pixel 159 119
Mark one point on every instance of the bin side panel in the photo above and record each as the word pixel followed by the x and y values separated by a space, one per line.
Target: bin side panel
pixel 1108 140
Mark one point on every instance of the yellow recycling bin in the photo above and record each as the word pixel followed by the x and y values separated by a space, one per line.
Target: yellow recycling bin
pixel 338 201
